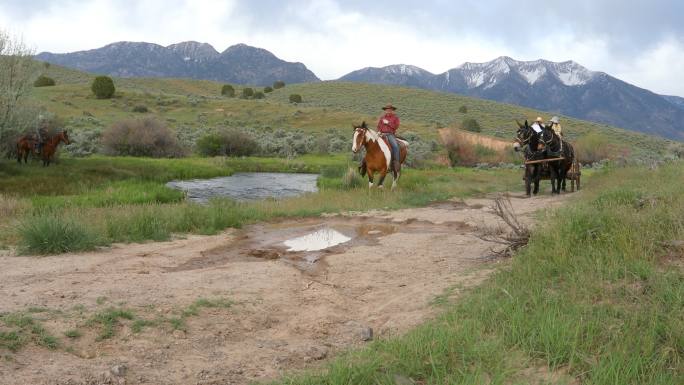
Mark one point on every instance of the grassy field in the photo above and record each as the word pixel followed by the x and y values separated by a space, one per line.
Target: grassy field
pixel 194 106
pixel 84 203
pixel 597 297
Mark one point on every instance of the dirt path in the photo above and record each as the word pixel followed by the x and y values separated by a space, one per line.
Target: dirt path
pixel 290 309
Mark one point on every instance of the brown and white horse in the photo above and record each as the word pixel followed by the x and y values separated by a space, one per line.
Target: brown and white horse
pixel 378 154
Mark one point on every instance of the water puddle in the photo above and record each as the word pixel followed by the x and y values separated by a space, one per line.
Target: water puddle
pixel 247 186
pixel 318 240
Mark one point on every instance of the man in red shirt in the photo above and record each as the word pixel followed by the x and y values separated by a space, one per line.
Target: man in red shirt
pixel 388 125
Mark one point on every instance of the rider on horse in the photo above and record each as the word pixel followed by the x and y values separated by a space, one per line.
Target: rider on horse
pixel 42 132
pixel 387 126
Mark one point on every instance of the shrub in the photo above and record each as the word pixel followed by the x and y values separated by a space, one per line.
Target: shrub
pixel 351 179
pixel 295 98
pixel 595 147
pixel 278 84
pixel 462 151
pixel 140 108
pixel 44 81
pixel 52 234
pixel 141 137
pixel 259 95
pixel 268 89
pixel 247 93
pixel 227 143
pixel 103 87
pixel 228 90
pixel 463 109
pixel 471 125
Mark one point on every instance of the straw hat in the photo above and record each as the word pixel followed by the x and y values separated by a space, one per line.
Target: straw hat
pixel 539 119
pixel 389 106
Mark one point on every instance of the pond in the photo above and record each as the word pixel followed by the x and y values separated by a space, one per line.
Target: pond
pixel 247 186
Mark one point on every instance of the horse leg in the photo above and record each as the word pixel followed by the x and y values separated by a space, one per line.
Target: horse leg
pixel 554 179
pixel 382 179
pixel 528 181
pixel 370 179
pixel 537 176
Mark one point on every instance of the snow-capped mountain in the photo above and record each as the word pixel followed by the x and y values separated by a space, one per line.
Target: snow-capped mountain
pixel 194 51
pixel 565 88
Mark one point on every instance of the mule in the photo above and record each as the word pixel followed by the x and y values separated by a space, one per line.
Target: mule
pixel 378 156
pixel 556 147
pixel 50 146
pixel 528 140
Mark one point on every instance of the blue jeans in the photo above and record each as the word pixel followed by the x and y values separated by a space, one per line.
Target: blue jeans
pixel 395 146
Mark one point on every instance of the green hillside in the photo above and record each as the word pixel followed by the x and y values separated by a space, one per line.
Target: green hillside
pixel 195 106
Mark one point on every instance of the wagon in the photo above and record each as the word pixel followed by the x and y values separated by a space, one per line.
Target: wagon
pixel 574 174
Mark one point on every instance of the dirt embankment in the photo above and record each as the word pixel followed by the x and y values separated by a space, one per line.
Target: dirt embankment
pixel 290 310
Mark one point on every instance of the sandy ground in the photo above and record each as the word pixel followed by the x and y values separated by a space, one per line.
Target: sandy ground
pixel 291 310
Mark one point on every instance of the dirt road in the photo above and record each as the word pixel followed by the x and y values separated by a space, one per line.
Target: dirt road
pixel 290 310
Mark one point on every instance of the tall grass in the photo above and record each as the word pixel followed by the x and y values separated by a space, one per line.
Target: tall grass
pixel 49 234
pixel 591 299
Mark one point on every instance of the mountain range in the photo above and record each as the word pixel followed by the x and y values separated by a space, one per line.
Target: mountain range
pixel 240 64
pixel 564 88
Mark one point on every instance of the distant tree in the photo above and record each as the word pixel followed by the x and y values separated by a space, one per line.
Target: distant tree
pixel 247 93
pixel 228 90
pixel 17 72
pixel 259 95
pixel 278 84
pixel 268 89
pixel 463 109
pixel 471 125
pixel 44 81
pixel 146 137
pixel 103 87
pixel 295 98
pixel 227 143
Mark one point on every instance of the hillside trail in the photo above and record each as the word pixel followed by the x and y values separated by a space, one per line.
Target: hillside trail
pixel 290 310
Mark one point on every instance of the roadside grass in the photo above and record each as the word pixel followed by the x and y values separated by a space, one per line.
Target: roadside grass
pixel 590 297
pixel 19 328
pixel 127 201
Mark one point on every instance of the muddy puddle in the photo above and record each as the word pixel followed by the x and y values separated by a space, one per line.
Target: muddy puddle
pixel 305 244
pixel 247 186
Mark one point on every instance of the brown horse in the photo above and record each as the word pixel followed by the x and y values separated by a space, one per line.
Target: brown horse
pixel 26 144
pixel 378 154
pixel 50 146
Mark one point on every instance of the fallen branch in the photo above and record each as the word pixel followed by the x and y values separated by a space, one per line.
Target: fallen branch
pixel 517 238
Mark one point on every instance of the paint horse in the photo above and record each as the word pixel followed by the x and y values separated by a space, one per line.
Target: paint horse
pixel 378 154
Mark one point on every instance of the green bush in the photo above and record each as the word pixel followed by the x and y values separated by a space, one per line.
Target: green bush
pixel 228 90
pixel 259 95
pixel 51 234
pixel 463 109
pixel 103 87
pixel 141 109
pixel 295 98
pixel 278 84
pixel 268 89
pixel 247 93
pixel 227 143
pixel 471 125
pixel 44 81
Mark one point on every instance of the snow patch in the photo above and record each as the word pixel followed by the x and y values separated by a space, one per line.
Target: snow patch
pixel 533 74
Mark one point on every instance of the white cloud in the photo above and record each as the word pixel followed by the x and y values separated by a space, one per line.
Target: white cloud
pixel 333 40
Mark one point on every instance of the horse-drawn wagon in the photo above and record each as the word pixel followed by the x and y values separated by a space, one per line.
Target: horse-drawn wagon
pixel 573 174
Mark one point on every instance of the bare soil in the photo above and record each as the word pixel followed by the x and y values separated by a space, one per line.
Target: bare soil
pixel 291 310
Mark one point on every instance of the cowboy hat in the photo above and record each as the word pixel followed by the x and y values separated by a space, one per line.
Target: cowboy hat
pixel 555 120
pixel 389 106
pixel 539 119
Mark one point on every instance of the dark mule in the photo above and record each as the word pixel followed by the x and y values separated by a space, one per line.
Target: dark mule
pixel 378 154
pixel 50 146
pixel 528 141
pixel 26 144
pixel 555 147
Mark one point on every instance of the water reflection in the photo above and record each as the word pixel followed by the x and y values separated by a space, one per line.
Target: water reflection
pixel 318 240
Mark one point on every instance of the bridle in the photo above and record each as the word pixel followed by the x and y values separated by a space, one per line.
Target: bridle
pixel 361 131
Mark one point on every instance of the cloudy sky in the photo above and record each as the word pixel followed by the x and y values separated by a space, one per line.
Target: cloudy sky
pixel 639 41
